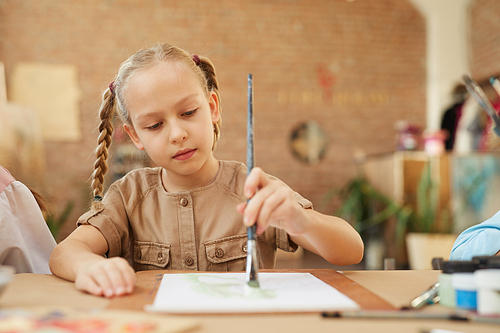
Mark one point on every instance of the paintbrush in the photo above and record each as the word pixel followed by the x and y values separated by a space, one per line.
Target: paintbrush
pixel 475 90
pixel 252 260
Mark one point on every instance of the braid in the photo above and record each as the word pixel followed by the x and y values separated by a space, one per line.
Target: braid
pixel 208 70
pixel 103 142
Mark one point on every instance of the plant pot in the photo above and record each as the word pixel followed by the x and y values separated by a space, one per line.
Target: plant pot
pixel 374 254
pixel 423 247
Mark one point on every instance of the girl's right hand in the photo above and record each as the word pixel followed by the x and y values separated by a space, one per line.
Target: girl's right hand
pixel 106 277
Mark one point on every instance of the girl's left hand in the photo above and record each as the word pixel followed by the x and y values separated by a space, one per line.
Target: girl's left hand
pixel 272 204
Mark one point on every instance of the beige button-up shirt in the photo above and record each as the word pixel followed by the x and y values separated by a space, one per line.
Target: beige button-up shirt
pixel 198 229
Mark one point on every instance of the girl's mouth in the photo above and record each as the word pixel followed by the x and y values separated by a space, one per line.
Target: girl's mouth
pixel 183 155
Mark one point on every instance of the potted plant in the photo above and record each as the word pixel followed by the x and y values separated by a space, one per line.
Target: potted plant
pixel 416 232
pixel 428 229
pixel 369 211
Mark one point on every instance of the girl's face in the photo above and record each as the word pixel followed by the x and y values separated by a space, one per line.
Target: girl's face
pixel 172 119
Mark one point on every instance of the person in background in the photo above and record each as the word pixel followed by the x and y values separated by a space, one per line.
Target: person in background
pixel 25 239
pixel 452 115
pixel 190 213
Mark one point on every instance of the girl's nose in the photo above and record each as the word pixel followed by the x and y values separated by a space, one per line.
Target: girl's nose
pixel 177 133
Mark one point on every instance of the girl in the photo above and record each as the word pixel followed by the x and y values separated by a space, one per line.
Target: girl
pixel 189 213
pixel 25 238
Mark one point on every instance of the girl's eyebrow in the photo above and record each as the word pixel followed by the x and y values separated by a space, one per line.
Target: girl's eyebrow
pixel 177 104
pixel 147 115
pixel 186 98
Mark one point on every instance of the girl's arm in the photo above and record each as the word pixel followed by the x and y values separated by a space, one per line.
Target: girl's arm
pixel 332 238
pixel 80 258
pixel 273 204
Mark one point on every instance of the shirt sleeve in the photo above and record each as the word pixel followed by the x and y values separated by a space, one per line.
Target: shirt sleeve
pixel 480 240
pixel 111 221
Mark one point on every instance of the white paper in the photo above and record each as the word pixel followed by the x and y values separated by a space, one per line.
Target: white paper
pixel 229 293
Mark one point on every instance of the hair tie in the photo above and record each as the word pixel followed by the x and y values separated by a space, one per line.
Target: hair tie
pixel 196 59
pixel 97 198
pixel 112 87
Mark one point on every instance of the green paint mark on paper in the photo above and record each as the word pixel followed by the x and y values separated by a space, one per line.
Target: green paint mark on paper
pixel 225 287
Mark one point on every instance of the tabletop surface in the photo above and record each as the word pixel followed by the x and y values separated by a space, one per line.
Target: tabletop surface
pixel 384 290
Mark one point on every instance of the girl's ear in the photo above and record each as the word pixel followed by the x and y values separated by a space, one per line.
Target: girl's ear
pixel 133 135
pixel 213 102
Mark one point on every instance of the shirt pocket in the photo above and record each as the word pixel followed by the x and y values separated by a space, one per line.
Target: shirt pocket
pixel 149 256
pixel 227 254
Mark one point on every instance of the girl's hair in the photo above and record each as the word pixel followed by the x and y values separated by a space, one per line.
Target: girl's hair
pixel 41 201
pixel 114 99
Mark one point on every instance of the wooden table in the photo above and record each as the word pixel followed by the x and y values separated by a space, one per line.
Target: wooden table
pixel 370 289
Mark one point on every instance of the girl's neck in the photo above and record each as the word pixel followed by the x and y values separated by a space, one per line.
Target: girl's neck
pixel 205 176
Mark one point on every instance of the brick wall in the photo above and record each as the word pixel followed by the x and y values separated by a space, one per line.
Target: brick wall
pixel 485 38
pixel 354 67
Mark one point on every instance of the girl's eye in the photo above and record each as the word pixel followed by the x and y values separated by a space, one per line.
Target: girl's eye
pixel 189 113
pixel 155 126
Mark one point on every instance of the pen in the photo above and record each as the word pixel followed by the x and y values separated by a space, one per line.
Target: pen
pixel 252 267
pixel 413 314
pixel 396 314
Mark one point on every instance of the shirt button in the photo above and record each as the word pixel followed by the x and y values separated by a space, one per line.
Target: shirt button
pixel 219 253
pixel 244 248
pixel 189 261
pixel 160 257
pixel 184 202
pixel 138 253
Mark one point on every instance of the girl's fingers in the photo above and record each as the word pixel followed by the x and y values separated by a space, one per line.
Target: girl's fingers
pixel 120 276
pixel 264 204
pixel 241 208
pixel 128 275
pixel 270 211
pixel 116 281
pixel 271 204
pixel 101 278
pixel 252 210
pixel 256 179
pixel 90 286
pixel 110 277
